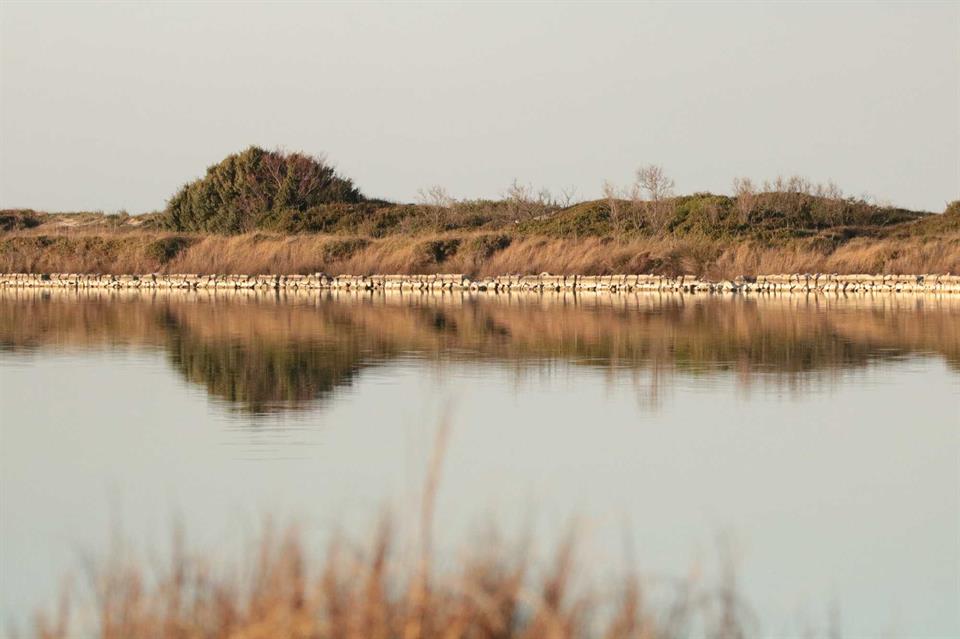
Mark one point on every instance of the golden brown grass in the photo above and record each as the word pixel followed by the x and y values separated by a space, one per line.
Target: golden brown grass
pixel 135 252
pixel 278 591
pixel 860 255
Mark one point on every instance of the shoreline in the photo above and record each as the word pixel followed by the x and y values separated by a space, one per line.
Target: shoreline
pixel 775 283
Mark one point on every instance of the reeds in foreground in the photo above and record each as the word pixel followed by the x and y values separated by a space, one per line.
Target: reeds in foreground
pixel 279 592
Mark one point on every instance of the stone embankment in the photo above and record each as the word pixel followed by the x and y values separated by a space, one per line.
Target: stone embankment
pixel 505 283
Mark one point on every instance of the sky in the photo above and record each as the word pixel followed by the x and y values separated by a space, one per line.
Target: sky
pixel 115 106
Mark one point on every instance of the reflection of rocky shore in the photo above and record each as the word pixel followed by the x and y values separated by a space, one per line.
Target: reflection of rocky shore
pixel 263 351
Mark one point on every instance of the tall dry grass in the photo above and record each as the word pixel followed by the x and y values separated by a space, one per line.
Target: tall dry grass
pixel 468 253
pixel 860 255
pixel 363 592
pixel 279 592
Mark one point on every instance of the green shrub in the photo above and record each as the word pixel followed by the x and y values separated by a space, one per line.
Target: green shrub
pixel 584 219
pixel 704 214
pixel 933 224
pixel 248 190
pixel 437 251
pixel 370 218
pixel 166 248
pixel 484 246
pixel 337 250
pixel 16 220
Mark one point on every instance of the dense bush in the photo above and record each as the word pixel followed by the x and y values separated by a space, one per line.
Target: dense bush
pixel 165 249
pixel 933 225
pixel 377 218
pixel 484 246
pixel 436 251
pixel 336 250
pixel 16 220
pixel 372 218
pixel 767 215
pixel 584 219
pixel 247 190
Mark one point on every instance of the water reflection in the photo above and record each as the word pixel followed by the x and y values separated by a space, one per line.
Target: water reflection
pixel 266 352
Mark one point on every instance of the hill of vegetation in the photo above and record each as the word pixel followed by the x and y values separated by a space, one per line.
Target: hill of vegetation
pixel 268 211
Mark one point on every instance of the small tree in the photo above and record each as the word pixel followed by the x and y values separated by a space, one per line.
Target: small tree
pixel 524 203
pixel 653 183
pixel 619 218
pixel 439 202
pixel 567 196
pixel 746 195
pixel 832 202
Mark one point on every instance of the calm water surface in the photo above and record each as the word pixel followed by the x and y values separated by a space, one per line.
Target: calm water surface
pixel 818 438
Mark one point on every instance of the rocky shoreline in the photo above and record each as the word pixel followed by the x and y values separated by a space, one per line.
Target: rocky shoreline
pixel 930 283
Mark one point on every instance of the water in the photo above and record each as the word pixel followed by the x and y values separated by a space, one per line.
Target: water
pixel 816 440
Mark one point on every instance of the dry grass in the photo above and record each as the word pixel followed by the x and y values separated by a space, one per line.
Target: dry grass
pixel 136 252
pixel 278 591
pixel 860 255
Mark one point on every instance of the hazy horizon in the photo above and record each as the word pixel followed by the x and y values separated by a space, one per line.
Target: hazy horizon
pixel 115 106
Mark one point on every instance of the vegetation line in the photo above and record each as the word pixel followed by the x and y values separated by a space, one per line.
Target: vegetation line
pixel 269 212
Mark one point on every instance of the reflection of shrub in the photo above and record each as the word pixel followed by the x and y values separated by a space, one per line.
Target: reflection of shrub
pixel 167 248
pixel 437 250
pixel 336 250
pixel 263 376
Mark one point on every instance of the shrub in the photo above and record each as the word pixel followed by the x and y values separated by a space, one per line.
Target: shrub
pixel 336 250
pixel 166 248
pixel 246 190
pixel 16 220
pixel 585 219
pixel 477 213
pixel 437 251
pixel 705 214
pixel 484 246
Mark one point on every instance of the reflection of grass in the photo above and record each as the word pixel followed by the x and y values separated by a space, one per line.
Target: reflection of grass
pixel 262 352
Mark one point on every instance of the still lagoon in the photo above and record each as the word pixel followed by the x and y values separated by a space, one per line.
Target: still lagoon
pixel 811 441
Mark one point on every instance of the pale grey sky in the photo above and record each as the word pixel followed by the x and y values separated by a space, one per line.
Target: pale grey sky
pixel 114 106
